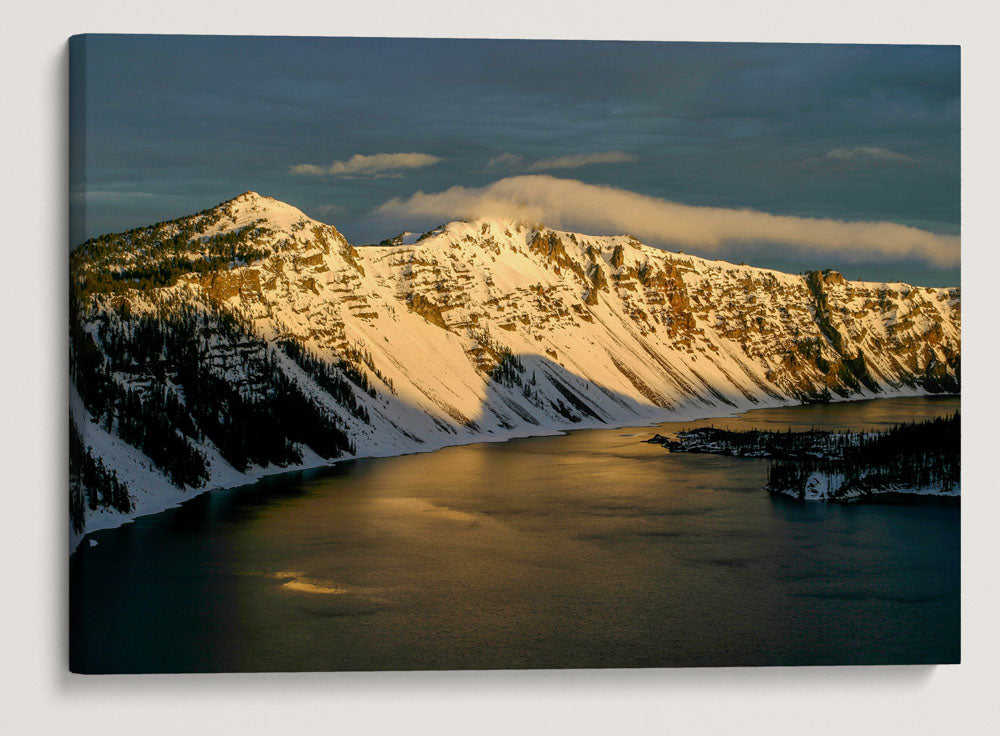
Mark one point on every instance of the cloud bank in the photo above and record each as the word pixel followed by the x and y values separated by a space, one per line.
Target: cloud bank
pixel 572 161
pixel 379 164
pixel 568 203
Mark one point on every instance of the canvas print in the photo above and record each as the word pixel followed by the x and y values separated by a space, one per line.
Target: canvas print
pixel 413 354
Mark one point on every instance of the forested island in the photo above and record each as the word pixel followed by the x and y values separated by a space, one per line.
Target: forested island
pixel 915 459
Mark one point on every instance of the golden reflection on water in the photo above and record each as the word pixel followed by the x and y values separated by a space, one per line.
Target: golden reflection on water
pixel 304 587
pixel 301 583
pixel 423 506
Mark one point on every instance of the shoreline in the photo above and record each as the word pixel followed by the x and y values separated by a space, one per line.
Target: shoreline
pixel 250 478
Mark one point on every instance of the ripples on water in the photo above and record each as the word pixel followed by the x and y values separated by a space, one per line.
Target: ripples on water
pixel 586 550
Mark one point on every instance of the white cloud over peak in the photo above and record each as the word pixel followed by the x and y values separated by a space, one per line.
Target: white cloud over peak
pixel 379 164
pixel 572 204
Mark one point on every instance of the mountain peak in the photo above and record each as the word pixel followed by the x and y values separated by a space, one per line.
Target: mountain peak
pixel 248 196
pixel 250 206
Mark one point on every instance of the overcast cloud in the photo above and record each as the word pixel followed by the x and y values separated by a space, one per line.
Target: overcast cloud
pixel 339 126
pixel 573 204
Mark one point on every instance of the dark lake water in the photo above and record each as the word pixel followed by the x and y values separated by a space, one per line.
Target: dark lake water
pixel 585 550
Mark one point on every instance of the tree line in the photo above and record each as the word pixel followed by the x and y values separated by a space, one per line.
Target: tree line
pixel 331 377
pixel 923 454
pixel 916 455
pixel 91 483
pixel 167 380
pixel 153 257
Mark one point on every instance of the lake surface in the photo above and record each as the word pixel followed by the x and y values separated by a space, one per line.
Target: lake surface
pixel 586 550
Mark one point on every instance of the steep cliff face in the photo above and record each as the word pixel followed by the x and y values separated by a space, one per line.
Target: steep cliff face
pixel 479 330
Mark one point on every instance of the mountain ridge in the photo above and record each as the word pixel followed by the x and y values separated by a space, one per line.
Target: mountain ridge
pixel 479 330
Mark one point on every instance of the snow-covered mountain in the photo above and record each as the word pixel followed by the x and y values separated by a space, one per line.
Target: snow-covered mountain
pixel 186 331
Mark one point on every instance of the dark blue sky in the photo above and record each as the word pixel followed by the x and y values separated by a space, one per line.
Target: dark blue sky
pixel 175 124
